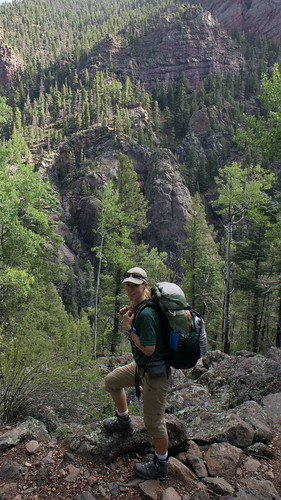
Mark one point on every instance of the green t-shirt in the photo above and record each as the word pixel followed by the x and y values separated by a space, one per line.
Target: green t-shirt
pixel 149 330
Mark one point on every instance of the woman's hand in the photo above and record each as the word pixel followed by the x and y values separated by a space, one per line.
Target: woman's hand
pixel 127 318
pixel 124 309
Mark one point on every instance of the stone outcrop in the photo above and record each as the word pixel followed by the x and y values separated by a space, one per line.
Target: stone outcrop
pixel 159 177
pixel 236 379
pixel 260 18
pixel 10 64
pixel 192 43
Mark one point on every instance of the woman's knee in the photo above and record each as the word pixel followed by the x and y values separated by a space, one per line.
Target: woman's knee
pixel 155 426
pixel 111 386
pixel 119 378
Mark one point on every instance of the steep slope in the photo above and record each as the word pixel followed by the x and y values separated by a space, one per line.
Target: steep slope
pixel 10 64
pixel 190 42
pixel 260 18
pixel 159 176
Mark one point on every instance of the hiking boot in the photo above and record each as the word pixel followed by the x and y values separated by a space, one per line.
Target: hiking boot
pixel 153 469
pixel 123 425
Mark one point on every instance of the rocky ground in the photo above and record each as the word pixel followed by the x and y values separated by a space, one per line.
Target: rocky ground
pixel 216 451
pixel 39 469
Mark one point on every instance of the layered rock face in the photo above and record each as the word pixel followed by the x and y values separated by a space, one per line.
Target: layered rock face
pixel 159 176
pixel 10 64
pixel 260 18
pixel 193 43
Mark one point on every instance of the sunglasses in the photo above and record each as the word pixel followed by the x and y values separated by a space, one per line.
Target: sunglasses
pixel 135 275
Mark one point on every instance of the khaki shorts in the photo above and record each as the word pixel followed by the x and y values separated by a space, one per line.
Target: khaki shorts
pixel 154 395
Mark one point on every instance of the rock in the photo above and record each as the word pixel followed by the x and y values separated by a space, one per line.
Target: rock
pixel 8 491
pixel 260 18
pixel 150 489
pixel 68 457
pixel 222 460
pixel 73 473
pixel 48 459
pixel 272 406
pixel 97 443
pixel 200 495
pixel 212 358
pixel 228 379
pixel 188 394
pixel 256 416
pixel 212 427
pixel 274 353
pixel 197 464
pixel 170 494
pixel 265 487
pixel 218 485
pixel 17 434
pixel 201 492
pixel 200 48
pixel 9 469
pixel 193 448
pixel 42 476
pixel 199 123
pixel 179 470
pixel 245 493
pixel 32 447
pixel 113 488
pixel 261 450
pixel 251 465
pixel 85 496
pixel 159 175
pixel 102 491
pixel 10 64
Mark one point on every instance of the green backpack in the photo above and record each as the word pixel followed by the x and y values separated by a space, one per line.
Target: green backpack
pixel 184 334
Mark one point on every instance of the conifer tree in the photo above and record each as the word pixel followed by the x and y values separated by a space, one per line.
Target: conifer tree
pixel 202 268
pixel 241 191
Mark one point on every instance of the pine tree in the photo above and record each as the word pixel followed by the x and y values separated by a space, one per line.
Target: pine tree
pixel 241 191
pixel 202 268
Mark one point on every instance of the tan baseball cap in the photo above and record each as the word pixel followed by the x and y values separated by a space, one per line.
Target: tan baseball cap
pixel 135 275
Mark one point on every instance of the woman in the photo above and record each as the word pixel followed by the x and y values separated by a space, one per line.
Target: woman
pixel 147 346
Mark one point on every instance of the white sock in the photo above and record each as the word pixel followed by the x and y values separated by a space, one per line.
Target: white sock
pixel 123 413
pixel 162 457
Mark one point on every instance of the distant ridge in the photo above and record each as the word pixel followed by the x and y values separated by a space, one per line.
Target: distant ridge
pixel 193 43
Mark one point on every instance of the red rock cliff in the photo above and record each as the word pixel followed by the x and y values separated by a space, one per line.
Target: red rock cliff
pixel 10 64
pixel 261 18
pixel 194 44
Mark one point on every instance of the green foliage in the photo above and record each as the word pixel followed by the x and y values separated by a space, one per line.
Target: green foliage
pixel 243 195
pixel 242 190
pixel 28 239
pixel 202 269
pixel 263 132
pixel 6 116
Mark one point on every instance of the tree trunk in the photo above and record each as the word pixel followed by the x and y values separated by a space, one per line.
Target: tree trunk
pixel 256 329
pixel 278 331
pixel 116 313
pixel 97 298
pixel 225 325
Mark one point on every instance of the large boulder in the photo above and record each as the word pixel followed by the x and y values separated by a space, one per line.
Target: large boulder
pixel 98 443
pixel 235 379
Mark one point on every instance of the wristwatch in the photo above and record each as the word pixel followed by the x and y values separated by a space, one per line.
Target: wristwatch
pixel 129 332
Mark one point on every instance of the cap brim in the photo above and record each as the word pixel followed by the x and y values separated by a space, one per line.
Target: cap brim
pixel 136 281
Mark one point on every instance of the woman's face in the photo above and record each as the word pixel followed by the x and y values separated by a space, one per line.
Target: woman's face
pixel 136 293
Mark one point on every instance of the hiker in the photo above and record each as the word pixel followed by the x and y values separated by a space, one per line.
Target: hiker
pixel 148 352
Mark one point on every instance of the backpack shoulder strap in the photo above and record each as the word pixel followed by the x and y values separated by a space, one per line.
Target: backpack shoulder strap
pixel 137 310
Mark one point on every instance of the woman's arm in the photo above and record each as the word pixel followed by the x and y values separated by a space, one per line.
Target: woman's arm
pixel 148 350
pixel 127 318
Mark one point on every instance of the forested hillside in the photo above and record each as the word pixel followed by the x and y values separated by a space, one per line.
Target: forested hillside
pixel 133 133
